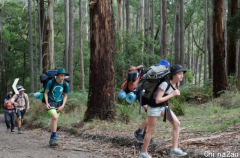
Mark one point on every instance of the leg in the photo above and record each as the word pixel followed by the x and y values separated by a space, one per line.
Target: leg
pixel 152 120
pixel 144 124
pixel 176 128
pixel 7 120
pixel 12 122
pixel 54 122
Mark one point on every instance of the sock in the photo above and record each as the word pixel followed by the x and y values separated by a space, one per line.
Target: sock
pixel 139 130
pixel 54 134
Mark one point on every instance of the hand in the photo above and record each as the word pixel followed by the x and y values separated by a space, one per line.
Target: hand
pixel 60 108
pixel 26 111
pixel 145 107
pixel 176 92
pixel 16 104
pixel 48 106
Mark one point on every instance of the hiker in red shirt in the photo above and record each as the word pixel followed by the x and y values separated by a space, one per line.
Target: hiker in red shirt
pixel 9 113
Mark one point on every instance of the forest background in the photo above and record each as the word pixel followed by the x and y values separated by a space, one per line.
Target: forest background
pixel 37 36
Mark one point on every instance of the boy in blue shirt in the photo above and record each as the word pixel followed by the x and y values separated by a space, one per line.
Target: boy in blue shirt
pixel 56 97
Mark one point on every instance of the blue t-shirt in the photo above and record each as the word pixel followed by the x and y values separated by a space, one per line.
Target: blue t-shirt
pixel 57 91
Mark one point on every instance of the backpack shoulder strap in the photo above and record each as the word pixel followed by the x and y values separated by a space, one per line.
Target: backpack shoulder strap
pixel 169 85
pixel 51 87
pixel 64 85
pixel 16 98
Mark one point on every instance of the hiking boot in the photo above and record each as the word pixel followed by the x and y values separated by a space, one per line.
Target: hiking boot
pixel 19 131
pixel 12 130
pixel 138 136
pixel 177 152
pixel 144 155
pixel 53 142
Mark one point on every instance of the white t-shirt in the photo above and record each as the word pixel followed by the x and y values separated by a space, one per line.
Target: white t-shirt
pixel 163 86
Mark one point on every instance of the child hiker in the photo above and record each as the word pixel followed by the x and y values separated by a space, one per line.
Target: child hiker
pixel 141 131
pixel 9 112
pixel 56 99
pixel 158 105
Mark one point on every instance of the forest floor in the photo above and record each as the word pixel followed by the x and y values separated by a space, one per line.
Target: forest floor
pixel 97 142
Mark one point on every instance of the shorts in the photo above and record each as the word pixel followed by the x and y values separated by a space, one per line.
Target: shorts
pixel 20 113
pixel 155 111
pixel 54 104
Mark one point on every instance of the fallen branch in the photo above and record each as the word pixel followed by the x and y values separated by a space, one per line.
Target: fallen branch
pixel 198 141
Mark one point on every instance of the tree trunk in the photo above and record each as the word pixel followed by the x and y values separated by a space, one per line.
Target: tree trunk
pixel 164 30
pixel 51 34
pixel 210 44
pixel 177 39
pixel 101 101
pixel 66 35
pixel 3 81
pixel 219 73
pixel 200 70
pixel 206 43
pixel 182 50
pixel 81 47
pixel 40 37
pixel 231 55
pixel 188 52
pixel 238 74
pixel 71 41
pixel 152 26
pixel 87 24
pixel 120 15
pixel 35 43
pixel 44 31
pixel 142 24
pixel 127 15
pixel 30 46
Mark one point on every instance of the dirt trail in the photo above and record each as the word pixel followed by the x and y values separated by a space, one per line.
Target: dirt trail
pixel 35 144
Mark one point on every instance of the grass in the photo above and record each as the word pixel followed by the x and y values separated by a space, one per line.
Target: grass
pixel 209 117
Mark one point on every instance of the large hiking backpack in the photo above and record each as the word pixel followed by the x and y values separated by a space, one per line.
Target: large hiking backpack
pixel 150 80
pixel 50 75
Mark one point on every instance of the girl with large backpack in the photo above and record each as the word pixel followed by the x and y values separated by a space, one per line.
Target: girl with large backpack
pixel 158 105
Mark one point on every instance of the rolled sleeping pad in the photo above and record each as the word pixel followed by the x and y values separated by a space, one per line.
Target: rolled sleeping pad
pixel 122 94
pixel 131 97
pixel 52 111
pixel 37 95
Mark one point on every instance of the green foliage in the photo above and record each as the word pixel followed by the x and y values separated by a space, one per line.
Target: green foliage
pixel 176 106
pixel 229 100
pixel 233 24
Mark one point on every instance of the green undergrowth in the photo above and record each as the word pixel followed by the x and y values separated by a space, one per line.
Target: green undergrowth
pixel 215 115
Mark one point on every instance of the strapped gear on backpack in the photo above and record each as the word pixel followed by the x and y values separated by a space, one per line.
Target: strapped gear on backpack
pixel 149 82
pixel 50 75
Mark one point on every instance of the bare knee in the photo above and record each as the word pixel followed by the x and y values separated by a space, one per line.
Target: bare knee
pixel 151 130
pixel 176 124
pixel 54 117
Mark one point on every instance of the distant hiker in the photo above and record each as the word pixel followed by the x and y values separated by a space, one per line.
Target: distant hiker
pixel 141 132
pixel 9 112
pixel 158 105
pixel 56 97
pixel 6 98
pixel 21 103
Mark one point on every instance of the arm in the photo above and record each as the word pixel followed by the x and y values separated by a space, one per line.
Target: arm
pixel 161 99
pixel 46 98
pixel 13 100
pixel 27 103
pixel 64 102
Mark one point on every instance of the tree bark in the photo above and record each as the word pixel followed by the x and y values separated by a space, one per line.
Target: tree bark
pixel 176 35
pixel 127 15
pixel 66 35
pixel 219 74
pixel 206 43
pixel 231 55
pixel 81 47
pixel 120 15
pixel 71 41
pixel 101 102
pixel 35 43
pixel 182 47
pixel 164 30
pixel 3 81
pixel 30 46
pixel 51 34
